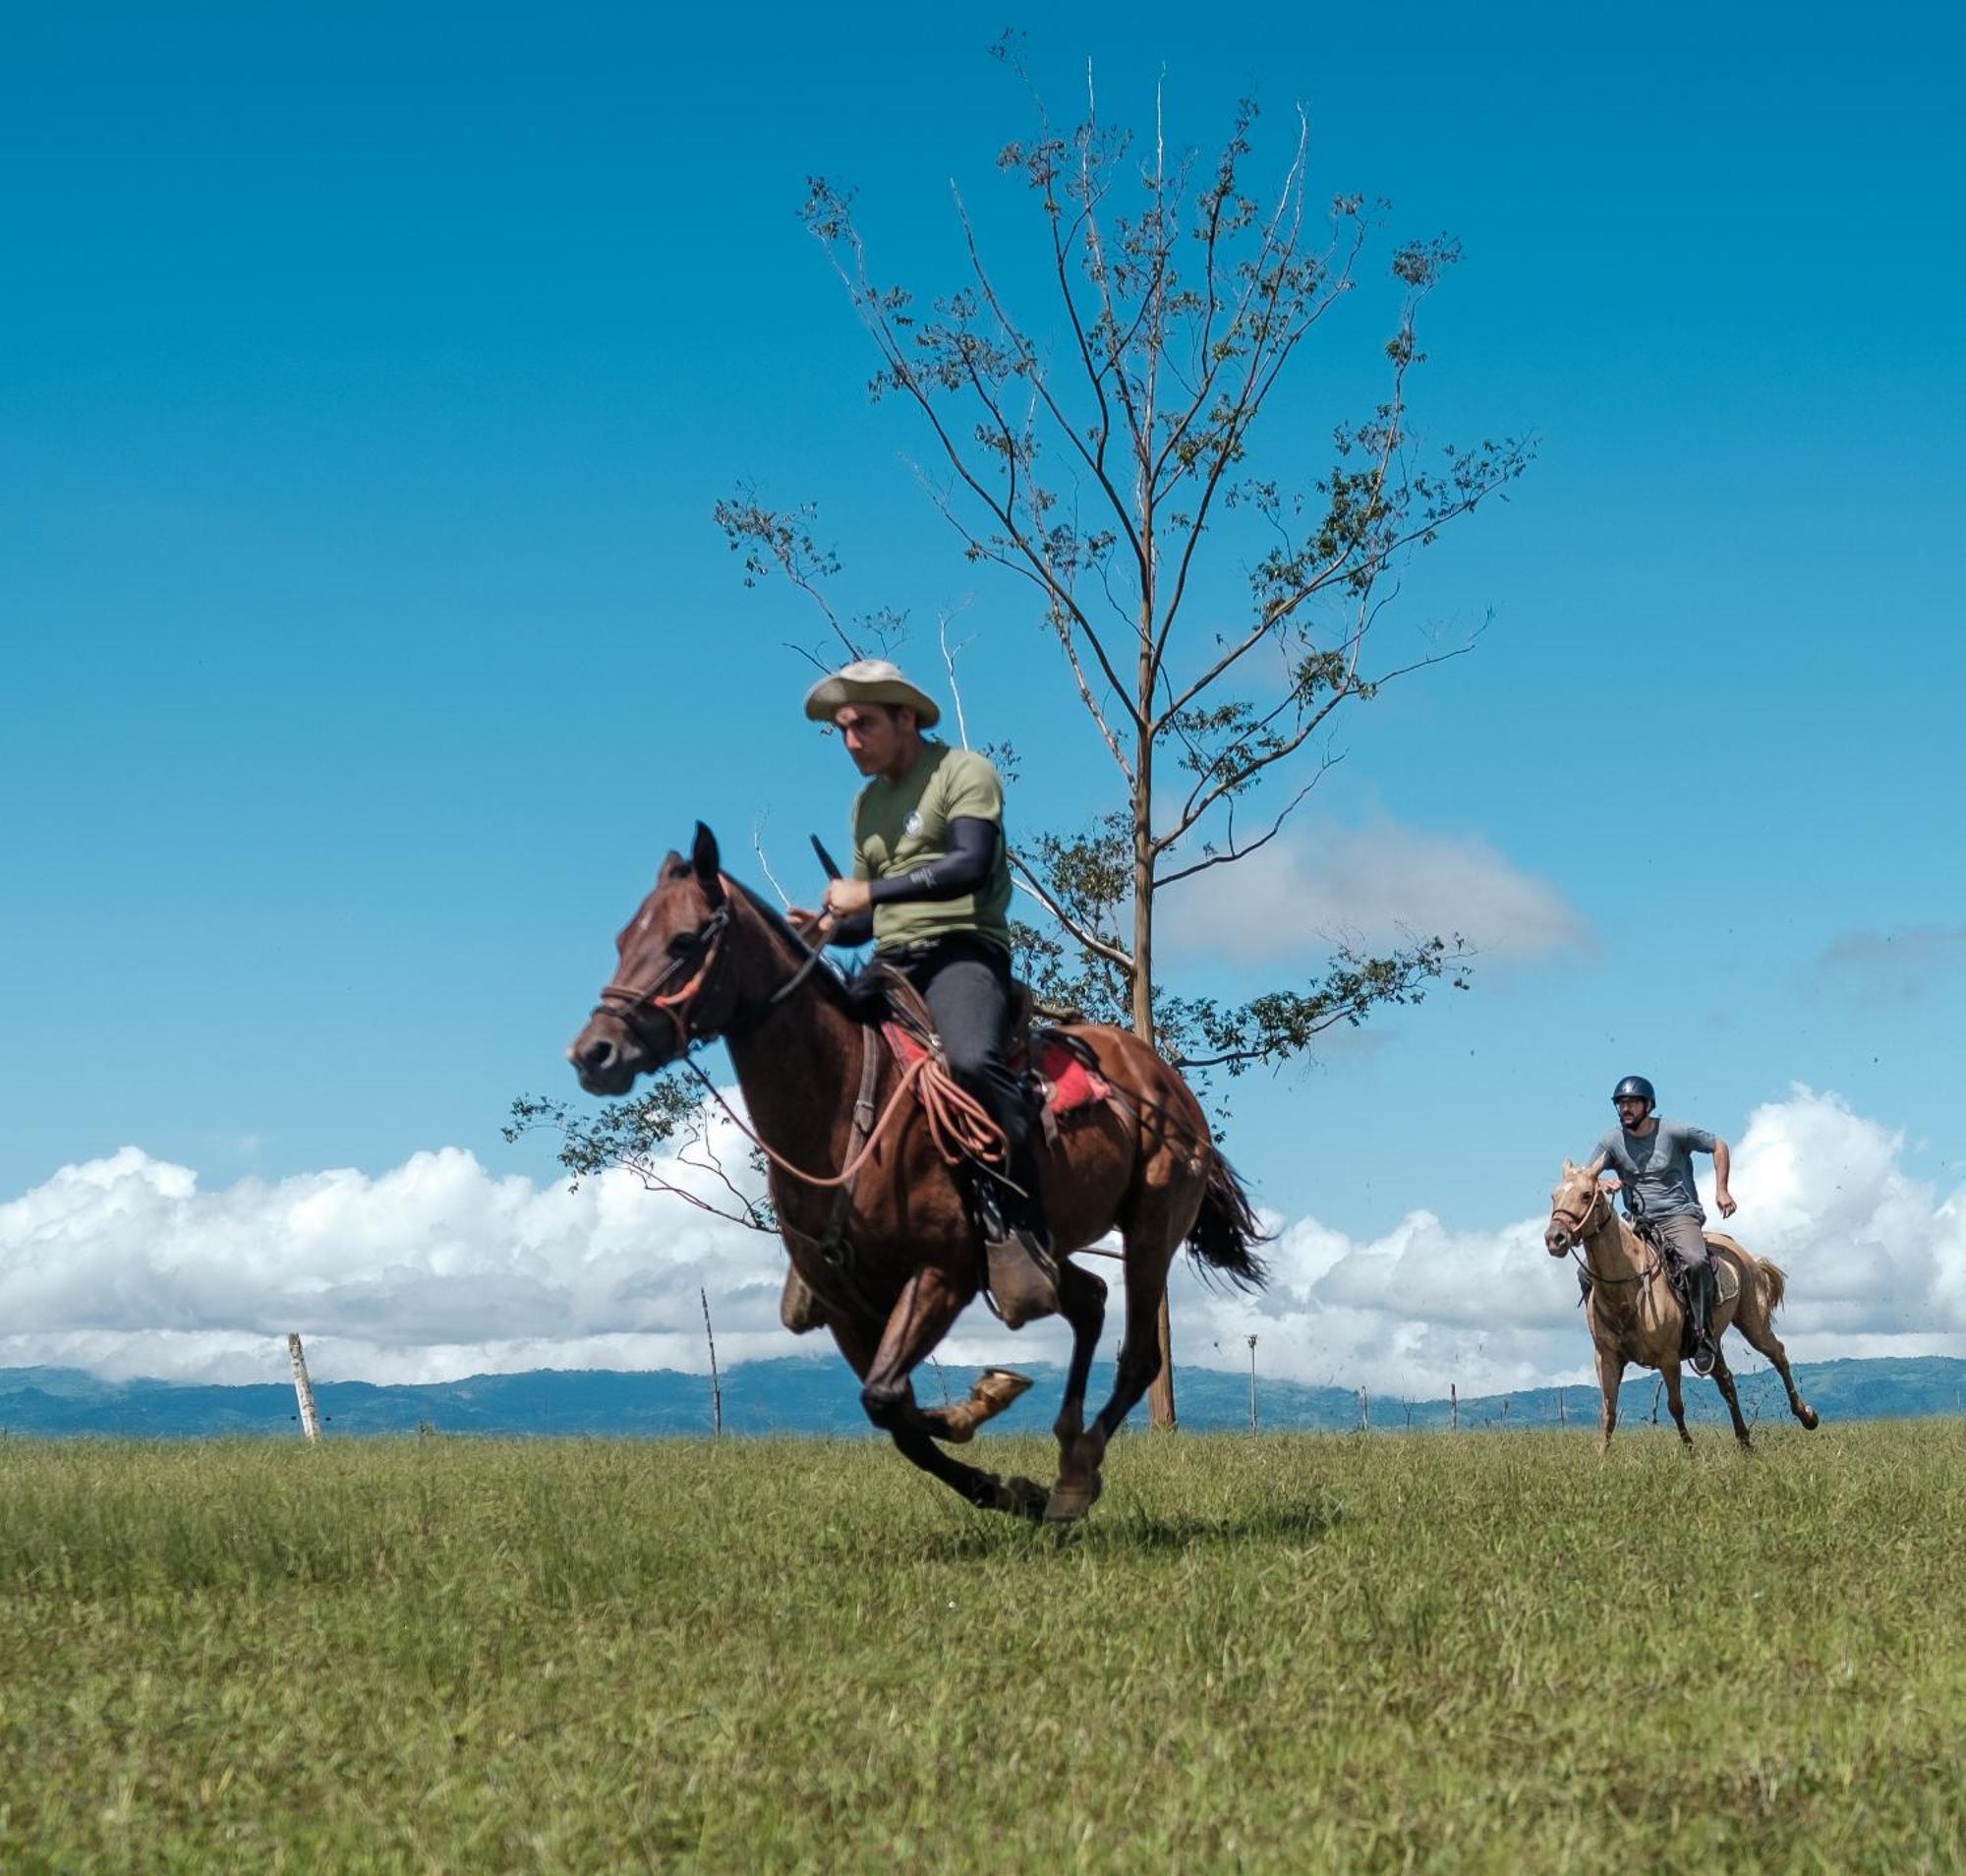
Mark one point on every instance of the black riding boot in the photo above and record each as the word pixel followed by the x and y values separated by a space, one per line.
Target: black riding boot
pixel 1701 1287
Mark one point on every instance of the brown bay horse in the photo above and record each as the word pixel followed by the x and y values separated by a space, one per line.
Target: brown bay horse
pixel 891 1252
pixel 1634 1314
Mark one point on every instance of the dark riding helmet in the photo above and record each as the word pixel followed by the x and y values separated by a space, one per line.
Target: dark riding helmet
pixel 1635 1087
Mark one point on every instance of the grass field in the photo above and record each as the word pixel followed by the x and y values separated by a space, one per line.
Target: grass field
pixel 1290 1652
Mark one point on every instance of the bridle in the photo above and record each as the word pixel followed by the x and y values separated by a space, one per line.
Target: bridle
pixel 1579 1226
pixel 630 1006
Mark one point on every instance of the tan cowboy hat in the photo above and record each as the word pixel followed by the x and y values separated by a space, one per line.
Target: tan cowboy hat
pixel 870 681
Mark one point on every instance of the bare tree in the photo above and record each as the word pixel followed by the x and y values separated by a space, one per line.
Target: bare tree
pixel 1092 452
pixel 1092 455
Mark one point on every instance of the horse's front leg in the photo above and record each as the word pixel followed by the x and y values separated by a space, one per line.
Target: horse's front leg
pixel 929 1303
pixel 1610 1372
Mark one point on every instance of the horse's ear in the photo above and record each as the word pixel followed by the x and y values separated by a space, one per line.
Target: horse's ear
pixel 1569 1167
pixel 703 858
pixel 1596 1165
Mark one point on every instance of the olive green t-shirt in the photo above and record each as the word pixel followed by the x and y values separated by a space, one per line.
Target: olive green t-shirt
pixel 904 824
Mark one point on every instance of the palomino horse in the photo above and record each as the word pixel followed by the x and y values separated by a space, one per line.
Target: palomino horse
pixel 1635 1316
pixel 890 1250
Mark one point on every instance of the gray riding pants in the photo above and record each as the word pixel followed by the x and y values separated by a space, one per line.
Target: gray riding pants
pixel 1686 1240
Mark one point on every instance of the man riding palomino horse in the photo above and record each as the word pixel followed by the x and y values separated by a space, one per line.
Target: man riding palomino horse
pixel 1630 1309
pixel 931 886
pixel 1652 1161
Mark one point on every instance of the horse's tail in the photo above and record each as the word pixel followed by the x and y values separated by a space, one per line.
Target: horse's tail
pixel 1225 1234
pixel 1774 1285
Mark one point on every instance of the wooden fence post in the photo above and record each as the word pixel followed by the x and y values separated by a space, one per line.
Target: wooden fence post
pixel 716 1384
pixel 1252 1383
pixel 1364 1413
pixel 303 1388
pixel 1452 1408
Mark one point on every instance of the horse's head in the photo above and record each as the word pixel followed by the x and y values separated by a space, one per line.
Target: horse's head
pixel 1573 1206
pixel 675 982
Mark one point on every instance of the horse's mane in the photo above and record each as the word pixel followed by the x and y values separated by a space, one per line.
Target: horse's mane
pixel 834 984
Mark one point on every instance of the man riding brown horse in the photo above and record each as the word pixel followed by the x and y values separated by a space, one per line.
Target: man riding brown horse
pixel 864 1147
pixel 931 886
pixel 1652 1159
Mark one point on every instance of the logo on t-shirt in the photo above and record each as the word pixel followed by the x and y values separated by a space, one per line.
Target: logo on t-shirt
pixel 913 824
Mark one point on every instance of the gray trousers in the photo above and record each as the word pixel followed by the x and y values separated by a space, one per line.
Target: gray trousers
pixel 1685 1239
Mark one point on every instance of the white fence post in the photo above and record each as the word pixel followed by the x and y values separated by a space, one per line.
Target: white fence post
pixel 303 1390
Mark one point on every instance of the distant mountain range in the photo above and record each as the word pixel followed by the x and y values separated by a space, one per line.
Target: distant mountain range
pixel 801 1395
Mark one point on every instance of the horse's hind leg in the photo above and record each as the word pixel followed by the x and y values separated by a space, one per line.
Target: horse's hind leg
pixel 929 1303
pixel 1723 1379
pixel 1674 1402
pixel 1149 1256
pixel 1081 1301
pixel 1763 1338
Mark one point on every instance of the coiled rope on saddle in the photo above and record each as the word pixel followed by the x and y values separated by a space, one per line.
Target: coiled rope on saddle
pixel 959 1124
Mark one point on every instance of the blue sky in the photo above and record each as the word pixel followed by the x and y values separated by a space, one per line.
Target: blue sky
pixel 369 377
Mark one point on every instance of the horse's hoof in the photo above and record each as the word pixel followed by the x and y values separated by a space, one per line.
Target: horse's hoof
pixel 999 1388
pixel 1021 1498
pixel 1809 1419
pixel 1069 1503
pixel 994 1389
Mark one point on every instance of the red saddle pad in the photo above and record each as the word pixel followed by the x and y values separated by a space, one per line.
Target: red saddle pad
pixel 1069 1083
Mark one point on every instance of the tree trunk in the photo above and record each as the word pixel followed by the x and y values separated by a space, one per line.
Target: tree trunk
pixel 1160 1396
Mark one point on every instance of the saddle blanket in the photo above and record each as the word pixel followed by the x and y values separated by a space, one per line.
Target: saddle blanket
pixel 1066 1083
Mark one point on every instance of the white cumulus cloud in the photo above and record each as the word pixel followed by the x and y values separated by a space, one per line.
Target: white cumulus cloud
pixel 1370 885
pixel 440 1269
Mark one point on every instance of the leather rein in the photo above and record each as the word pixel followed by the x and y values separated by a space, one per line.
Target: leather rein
pixel 628 1004
pixel 953 1115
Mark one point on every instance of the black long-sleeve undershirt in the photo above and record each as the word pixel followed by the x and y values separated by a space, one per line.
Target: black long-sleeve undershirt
pixel 972 853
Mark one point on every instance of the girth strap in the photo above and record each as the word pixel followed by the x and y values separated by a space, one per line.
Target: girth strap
pixel 835 1253
pixel 835 1235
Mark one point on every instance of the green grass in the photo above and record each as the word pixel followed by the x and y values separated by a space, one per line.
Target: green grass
pixel 1288 1653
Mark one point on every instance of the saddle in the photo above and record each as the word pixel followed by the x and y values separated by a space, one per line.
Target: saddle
pixel 1058 1071
pixel 1726 1278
